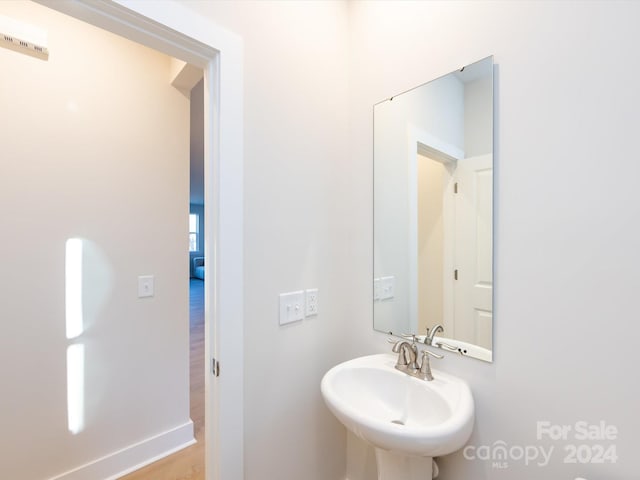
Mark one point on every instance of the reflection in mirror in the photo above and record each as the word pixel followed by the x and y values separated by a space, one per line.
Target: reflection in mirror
pixel 433 211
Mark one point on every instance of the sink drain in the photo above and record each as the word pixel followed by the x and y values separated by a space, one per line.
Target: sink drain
pixel 397 422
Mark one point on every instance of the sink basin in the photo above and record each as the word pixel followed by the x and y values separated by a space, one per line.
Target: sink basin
pixel 398 413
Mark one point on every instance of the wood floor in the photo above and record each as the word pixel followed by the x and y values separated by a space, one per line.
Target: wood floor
pixel 187 464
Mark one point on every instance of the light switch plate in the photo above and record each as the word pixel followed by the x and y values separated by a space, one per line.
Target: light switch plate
pixel 387 287
pixel 376 289
pixel 291 307
pixel 145 286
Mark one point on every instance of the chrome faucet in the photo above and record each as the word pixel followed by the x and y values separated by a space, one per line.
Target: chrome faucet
pixel 407 355
pixel 428 340
pixel 408 360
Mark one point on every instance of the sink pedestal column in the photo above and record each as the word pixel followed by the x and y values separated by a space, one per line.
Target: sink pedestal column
pixel 395 466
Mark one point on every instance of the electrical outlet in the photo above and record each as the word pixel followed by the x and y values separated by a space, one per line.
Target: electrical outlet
pixel 311 302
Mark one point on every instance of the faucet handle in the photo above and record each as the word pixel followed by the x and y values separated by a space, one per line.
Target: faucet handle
pixel 426 353
pixel 409 336
pixel 425 366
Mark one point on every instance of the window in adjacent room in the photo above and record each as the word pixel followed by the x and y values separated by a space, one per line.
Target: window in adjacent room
pixel 193 233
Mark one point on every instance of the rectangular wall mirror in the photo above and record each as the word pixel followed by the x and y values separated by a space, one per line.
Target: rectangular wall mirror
pixel 433 211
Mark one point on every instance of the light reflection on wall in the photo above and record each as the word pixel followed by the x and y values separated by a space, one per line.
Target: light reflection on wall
pixel 75 388
pixel 73 287
pixel 74 328
pixel 88 286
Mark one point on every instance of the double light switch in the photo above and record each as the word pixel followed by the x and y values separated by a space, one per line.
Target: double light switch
pixel 295 306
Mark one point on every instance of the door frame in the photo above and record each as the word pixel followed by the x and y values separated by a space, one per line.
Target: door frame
pixel 180 32
pixel 424 143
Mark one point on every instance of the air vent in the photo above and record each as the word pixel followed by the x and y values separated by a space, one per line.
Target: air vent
pixel 23 38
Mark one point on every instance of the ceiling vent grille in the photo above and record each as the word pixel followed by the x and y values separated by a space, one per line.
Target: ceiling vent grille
pixel 23 38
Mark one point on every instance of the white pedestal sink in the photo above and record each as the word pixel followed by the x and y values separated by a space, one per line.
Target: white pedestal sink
pixel 409 421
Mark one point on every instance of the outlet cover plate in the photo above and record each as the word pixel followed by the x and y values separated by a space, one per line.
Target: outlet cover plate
pixel 311 302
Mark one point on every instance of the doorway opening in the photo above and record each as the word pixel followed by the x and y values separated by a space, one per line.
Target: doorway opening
pixel 189 463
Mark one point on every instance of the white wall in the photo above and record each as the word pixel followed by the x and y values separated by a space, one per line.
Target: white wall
pixel 196 144
pixel 566 234
pixel 297 199
pixel 94 145
pixel 478 117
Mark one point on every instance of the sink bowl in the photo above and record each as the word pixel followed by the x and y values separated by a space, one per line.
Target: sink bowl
pixel 396 412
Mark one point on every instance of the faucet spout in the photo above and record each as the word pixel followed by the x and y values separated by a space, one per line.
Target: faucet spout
pixel 411 352
pixel 431 333
pixel 407 355
pixel 408 360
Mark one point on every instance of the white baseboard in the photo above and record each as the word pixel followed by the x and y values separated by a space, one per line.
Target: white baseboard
pixel 133 457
